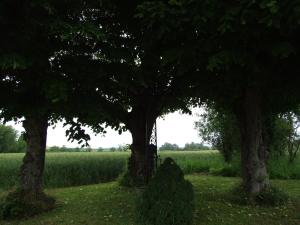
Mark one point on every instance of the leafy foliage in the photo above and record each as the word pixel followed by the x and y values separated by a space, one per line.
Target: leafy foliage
pixel 66 149
pixel 169 198
pixel 293 137
pixel 35 35
pixel 10 141
pixel 220 129
pixel 285 138
pixel 187 147
pixel 169 146
pixel 195 146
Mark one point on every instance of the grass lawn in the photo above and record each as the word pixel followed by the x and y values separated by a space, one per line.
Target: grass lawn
pixel 108 204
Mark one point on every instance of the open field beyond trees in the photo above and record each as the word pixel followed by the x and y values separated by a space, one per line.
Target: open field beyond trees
pixel 74 169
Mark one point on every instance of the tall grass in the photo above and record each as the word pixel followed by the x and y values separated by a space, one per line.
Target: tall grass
pixel 79 168
pixel 196 161
pixel 67 169
pixel 281 168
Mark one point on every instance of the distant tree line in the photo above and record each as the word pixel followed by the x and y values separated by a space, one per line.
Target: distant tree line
pixel 13 142
pixel 187 147
pixel 120 148
pixel 68 149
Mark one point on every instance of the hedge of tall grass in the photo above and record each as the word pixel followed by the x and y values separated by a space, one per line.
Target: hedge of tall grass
pixel 281 168
pixel 72 169
pixel 67 169
pixel 196 161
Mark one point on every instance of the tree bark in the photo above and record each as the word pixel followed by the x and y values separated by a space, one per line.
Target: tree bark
pixel 253 152
pixel 142 160
pixel 34 160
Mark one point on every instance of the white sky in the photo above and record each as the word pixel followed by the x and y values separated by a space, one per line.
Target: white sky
pixel 175 128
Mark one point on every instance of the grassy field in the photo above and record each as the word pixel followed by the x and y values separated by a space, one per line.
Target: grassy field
pixel 74 169
pixel 108 204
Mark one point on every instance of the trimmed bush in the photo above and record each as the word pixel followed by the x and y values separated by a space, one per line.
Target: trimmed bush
pixel 168 199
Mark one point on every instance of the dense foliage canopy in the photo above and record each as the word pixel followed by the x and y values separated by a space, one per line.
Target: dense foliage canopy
pixel 123 64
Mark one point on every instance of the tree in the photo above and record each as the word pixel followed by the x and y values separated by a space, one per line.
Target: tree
pixel 246 54
pixel 169 146
pixel 247 69
pixel 128 80
pixel 195 147
pixel 21 85
pixel 21 144
pixel 220 129
pixel 10 141
pixel 31 89
pixel 292 137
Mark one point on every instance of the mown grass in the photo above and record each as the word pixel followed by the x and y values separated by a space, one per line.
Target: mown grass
pixel 108 204
pixel 74 169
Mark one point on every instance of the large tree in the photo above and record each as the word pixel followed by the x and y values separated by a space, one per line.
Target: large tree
pixel 33 33
pixel 255 77
pixel 127 78
pixel 247 54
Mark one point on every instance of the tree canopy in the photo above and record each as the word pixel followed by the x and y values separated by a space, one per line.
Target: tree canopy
pixel 111 63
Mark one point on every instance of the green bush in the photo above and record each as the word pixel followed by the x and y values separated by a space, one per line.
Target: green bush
pixel 168 199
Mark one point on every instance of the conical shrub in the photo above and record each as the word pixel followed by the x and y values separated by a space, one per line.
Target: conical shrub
pixel 168 199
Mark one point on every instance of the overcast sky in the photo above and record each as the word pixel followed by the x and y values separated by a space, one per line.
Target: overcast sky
pixel 173 128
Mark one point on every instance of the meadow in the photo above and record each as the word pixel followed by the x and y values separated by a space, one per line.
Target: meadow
pixel 85 187
pixel 109 204
pixel 82 168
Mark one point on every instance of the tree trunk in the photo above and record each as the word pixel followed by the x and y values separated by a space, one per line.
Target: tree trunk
pixel 34 160
pixel 30 199
pixel 142 153
pixel 253 152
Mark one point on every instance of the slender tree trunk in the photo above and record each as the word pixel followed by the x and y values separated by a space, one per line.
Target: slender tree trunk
pixel 253 153
pixel 34 160
pixel 142 153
